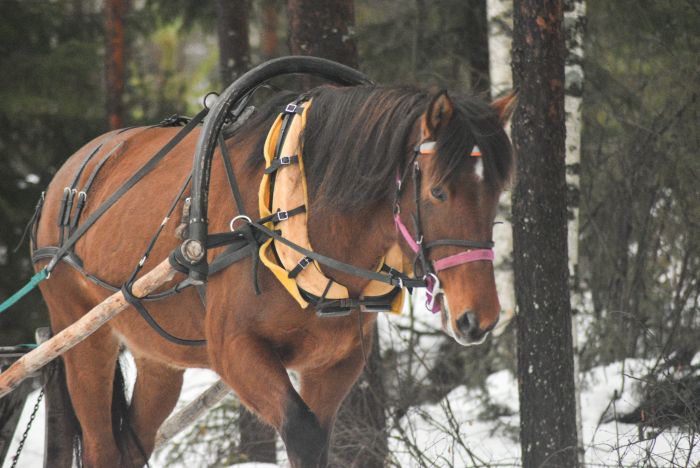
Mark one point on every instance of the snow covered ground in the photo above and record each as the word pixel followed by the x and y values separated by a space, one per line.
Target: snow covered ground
pixel 457 431
pixel 452 433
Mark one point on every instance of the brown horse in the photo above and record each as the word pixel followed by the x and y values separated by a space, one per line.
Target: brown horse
pixel 356 142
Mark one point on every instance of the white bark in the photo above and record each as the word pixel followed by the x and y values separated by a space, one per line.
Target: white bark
pixel 574 22
pixel 500 19
pixel 500 25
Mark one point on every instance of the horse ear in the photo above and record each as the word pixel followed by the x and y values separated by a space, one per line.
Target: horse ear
pixel 438 115
pixel 505 106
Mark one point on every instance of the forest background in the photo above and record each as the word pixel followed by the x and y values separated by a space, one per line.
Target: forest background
pixel 636 290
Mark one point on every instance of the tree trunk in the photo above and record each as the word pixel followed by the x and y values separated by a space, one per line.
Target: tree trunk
pixel 269 40
pixel 360 437
pixel 258 440
pixel 234 49
pixel 323 28
pixel 500 33
pixel 575 15
pixel 476 35
pixel 115 67
pixel 500 23
pixel 545 353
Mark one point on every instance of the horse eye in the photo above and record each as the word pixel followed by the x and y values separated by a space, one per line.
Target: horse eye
pixel 438 193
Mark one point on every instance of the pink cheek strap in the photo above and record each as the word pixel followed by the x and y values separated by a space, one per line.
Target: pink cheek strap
pixel 404 232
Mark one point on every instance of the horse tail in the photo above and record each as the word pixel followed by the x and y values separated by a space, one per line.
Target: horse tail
pixel 124 433
pixel 67 447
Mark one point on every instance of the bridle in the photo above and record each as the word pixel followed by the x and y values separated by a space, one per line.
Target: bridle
pixel 476 250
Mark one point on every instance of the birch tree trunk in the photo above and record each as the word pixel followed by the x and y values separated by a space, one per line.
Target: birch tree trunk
pixel 545 351
pixel 574 20
pixel 499 15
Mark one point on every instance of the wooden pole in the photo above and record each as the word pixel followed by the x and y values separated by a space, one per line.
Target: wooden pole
pixel 81 329
pixel 190 413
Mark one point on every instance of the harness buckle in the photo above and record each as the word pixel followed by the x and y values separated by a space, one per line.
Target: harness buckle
pixel 285 160
pixel 282 215
pixel 303 263
pixel 291 108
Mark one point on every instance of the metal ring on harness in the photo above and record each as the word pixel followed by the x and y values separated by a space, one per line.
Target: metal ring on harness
pixel 432 291
pixel 206 98
pixel 236 218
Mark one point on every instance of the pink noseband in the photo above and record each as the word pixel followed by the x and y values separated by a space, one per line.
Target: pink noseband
pixel 432 282
pixel 463 257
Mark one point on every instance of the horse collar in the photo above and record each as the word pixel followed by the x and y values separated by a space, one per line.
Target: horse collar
pixel 284 186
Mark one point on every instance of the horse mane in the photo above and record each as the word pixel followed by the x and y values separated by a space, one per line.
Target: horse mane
pixel 358 138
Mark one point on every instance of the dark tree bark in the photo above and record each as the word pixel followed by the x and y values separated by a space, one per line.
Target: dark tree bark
pixel 476 42
pixel 115 67
pixel 545 353
pixel 359 439
pixel 258 440
pixel 323 28
pixel 269 40
pixel 234 49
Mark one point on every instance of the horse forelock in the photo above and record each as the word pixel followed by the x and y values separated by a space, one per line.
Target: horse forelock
pixel 474 123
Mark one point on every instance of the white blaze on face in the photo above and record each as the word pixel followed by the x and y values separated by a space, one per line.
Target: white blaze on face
pixel 479 169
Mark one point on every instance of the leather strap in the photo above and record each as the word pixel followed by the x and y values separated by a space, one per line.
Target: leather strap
pixel 280 162
pixel 126 186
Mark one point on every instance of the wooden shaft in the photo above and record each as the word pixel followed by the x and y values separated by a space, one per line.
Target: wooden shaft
pixel 190 413
pixel 81 329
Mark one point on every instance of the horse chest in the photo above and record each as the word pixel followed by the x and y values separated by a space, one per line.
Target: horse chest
pixel 312 349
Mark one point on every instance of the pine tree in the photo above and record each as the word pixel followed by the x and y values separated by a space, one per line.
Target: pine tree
pixel 545 353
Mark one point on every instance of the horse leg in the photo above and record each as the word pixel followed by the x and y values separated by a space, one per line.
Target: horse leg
pixel 156 392
pixel 254 371
pixel 325 389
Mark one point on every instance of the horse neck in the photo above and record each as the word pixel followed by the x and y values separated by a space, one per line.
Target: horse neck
pixel 361 238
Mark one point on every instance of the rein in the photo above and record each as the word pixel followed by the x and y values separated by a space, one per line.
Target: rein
pixel 477 250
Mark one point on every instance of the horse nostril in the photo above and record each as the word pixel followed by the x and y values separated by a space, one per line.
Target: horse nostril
pixel 468 324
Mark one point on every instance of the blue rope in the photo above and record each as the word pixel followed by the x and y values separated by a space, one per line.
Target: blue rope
pixel 36 279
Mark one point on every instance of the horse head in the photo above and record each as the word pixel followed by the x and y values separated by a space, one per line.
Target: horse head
pixel 457 171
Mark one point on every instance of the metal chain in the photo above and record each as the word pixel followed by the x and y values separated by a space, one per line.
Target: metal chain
pixel 15 459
